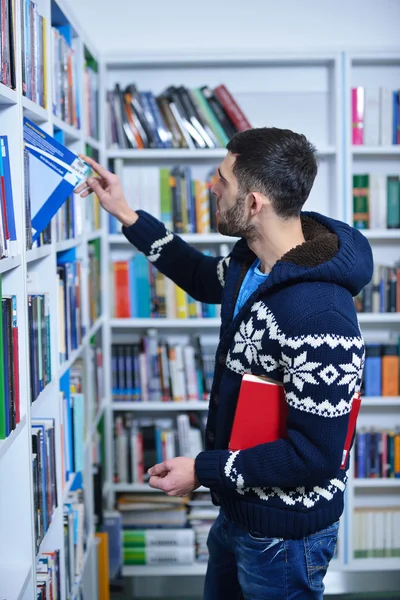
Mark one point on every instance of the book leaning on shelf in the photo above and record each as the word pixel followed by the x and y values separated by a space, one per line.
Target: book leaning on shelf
pixel 177 118
pixel 9 365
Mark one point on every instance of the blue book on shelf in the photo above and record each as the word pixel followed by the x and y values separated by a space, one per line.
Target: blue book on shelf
pixel 54 173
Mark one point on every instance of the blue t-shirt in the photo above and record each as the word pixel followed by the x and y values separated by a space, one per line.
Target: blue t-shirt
pixel 254 278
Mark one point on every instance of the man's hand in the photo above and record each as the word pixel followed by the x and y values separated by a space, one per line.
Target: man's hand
pixel 175 477
pixel 109 191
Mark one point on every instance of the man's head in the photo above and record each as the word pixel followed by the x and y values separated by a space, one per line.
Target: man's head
pixel 265 169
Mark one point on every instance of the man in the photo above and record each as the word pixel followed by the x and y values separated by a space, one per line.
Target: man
pixel 287 313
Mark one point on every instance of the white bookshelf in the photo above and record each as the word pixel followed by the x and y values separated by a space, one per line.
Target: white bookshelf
pixel 35 271
pixel 319 86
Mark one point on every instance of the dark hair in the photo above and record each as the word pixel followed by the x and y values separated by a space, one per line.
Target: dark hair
pixel 276 162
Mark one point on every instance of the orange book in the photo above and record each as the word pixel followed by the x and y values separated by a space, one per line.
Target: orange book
pixel 122 292
pixel 261 413
pixel 390 370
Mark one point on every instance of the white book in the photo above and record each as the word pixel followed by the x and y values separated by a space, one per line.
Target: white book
pixel 183 435
pixel 377 201
pixel 386 116
pixel 192 391
pixel 371 120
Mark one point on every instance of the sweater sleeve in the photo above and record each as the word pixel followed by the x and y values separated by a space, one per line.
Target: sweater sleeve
pixel 201 276
pixel 321 373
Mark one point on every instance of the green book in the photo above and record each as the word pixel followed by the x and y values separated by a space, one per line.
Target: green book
pixel 166 199
pixel 210 117
pixel 2 391
pixel 361 201
pixel 393 202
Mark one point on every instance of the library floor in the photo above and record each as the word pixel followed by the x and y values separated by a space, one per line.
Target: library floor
pixel 127 595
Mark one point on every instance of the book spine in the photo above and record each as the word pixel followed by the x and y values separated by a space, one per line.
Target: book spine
pixel 232 108
pixel 357 113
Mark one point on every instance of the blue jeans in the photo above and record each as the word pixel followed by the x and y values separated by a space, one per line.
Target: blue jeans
pixel 244 565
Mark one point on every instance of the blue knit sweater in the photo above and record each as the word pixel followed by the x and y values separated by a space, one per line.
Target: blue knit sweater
pixel 299 327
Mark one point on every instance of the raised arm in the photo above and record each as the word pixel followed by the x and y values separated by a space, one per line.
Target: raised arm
pixel 202 277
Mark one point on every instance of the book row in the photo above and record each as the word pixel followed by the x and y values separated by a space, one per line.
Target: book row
pixel 377 453
pixel 7 44
pixel 153 370
pixel 141 291
pixel 376 532
pixel 34 58
pixel 381 370
pixel 375 116
pixel 44 476
pixel 382 293
pixel 183 203
pixel 141 443
pixel 8 235
pixel 75 533
pixel 48 576
pixel 9 371
pixel 376 201
pixel 179 117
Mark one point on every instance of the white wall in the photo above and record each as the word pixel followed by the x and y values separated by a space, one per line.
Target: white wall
pixel 123 26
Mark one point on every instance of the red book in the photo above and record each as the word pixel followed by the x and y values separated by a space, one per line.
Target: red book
pixel 261 413
pixel 232 108
pixel 355 409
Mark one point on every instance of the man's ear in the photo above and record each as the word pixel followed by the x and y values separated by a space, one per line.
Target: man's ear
pixel 256 203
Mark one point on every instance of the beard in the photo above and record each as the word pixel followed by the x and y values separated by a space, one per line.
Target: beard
pixel 233 222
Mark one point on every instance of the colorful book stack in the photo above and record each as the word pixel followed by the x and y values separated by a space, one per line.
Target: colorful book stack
pixel 8 235
pixel 154 370
pixel 376 201
pixel 39 343
pixel 376 532
pixel 201 516
pixel 66 92
pixel 157 547
pixel 9 365
pixel 91 95
pixel 142 292
pixel 48 576
pixel 377 453
pixel 44 475
pixel 154 530
pixel 182 203
pixel 70 290
pixel 34 58
pixel 375 116
pixel 382 293
pixel 180 117
pixel 382 370
pixel 141 443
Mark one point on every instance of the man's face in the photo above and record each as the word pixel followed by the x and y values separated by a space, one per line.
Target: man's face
pixel 231 214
